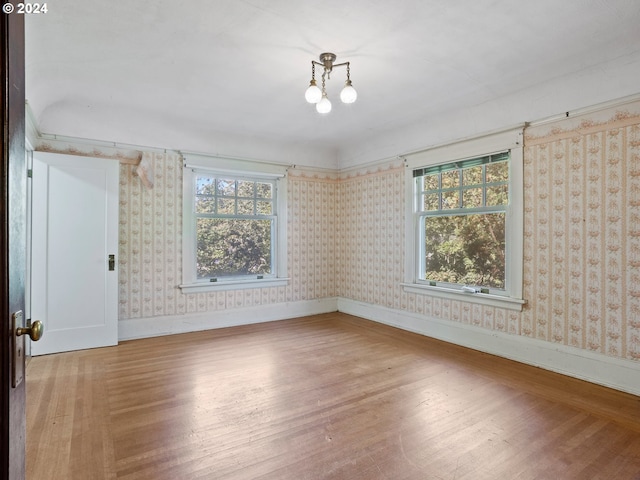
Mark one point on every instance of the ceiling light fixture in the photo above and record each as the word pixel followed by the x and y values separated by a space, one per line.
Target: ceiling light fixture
pixel 319 96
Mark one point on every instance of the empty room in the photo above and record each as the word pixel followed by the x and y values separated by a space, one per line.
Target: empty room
pixel 339 240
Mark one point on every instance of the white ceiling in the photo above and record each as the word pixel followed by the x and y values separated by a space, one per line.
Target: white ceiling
pixel 228 76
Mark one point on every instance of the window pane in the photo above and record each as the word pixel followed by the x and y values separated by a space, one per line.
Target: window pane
pixel 205 185
pixel 431 201
pixel 245 188
pixel 498 195
pixel 263 208
pixel 450 179
pixel 431 182
pixel 226 206
pixel 466 249
pixel 497 172
pixel 205 204
pixel 227 247
pixel 245 207
pixel 472 176
pixel 226 187
pixel 264 190
pixel 451 199
pixel 472 198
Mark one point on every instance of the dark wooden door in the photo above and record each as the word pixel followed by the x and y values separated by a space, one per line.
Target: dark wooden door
pixel 13 241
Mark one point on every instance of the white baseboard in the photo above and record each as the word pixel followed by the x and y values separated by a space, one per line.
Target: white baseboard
pixel 133 328
pixel 593 367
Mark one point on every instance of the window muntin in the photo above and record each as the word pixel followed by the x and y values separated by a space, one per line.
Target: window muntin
pixel 235 227
pixel 461 210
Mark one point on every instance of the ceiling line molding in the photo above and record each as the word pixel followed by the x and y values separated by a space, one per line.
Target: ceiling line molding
pixel 616 103
pixel 43 142
pixel 373 168
pixel 212 157
pixel 131 157
pixel 314 173
pixel 591 121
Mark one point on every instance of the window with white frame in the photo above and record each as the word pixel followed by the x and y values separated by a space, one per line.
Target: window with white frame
pixel 461 210
pixel 233 236
pixel 235 226
pixel 465 231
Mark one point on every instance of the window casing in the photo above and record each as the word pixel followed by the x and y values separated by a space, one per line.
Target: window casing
pixel 464 232
pixel 233 235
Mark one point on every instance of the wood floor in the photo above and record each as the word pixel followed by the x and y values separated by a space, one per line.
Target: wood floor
pixel 323 397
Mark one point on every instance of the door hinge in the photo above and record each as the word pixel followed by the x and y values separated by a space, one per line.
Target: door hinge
pixel 29 173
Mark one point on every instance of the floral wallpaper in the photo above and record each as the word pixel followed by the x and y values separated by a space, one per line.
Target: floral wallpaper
pixel 582 232
pixel 151 244
pixel 346 239
pixel 312 223
pixel 371 235
pixel 150 240
pixel 581 248
pixel 372 253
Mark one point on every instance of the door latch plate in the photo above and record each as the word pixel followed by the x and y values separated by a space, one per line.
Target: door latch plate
pixel 17 349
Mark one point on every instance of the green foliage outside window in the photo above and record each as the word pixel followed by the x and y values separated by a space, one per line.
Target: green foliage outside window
pixel 234 226
pixel 462 210
pixel 466 249
pixel 232 246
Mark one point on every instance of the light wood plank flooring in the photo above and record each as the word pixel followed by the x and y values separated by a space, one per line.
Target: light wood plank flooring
pixel 323 397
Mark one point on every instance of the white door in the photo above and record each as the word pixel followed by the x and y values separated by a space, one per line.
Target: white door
pixel 74 236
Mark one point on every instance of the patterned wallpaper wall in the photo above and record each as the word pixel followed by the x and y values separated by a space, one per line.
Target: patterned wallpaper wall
pixel 312 228
pixel 371 235
pixel 346 238
pixel 151 245
pixel 150 240
pixel 372 253
pixel 582 232
pixel 582 239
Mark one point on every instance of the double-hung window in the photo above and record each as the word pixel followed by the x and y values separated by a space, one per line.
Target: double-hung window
pixel 233 236
pixel 461 213
pixel 466 226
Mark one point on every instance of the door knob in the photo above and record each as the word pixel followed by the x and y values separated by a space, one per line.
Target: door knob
pixel 34 331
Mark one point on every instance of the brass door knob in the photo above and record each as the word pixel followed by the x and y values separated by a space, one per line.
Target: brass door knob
pixel 35 331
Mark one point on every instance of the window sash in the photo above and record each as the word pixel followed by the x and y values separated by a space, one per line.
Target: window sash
pixel 425 277
pixel 236 198
pixel 489 190
pixel 236 275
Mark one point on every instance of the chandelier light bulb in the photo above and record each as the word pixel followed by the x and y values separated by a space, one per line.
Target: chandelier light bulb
pixel 348 93
pixel 313 93
pixel 324 105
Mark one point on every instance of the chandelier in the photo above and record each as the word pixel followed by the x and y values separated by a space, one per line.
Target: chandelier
pixel 319 96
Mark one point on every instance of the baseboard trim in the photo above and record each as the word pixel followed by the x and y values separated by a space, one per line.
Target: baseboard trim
pixel 623 375
pixel 135 328
pixel 593 367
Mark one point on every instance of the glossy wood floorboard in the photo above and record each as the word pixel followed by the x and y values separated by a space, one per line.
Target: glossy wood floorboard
pixel 323 397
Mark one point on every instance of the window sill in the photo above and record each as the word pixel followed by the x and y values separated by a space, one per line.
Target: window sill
pixel 481 298
pixel 233 285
